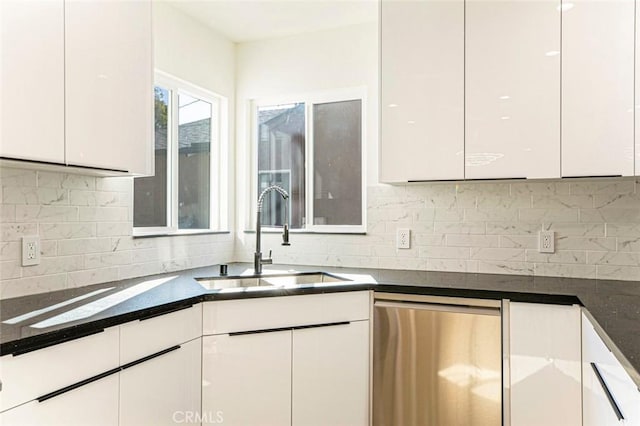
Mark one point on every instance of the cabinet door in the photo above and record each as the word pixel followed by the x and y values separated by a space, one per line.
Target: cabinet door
pixel 331 375
pixel 512 117
pixel 93 404
pixel 246 378
pixel 32 80
pixel 164 390
pixel 109 84
pixel 545 364
pixel 599 409
pixel 422 90
pixel 597 88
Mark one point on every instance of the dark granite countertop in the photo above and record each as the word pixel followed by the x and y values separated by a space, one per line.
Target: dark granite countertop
pixel 40 320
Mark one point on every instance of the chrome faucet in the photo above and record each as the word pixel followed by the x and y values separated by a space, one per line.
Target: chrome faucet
pixel 258 261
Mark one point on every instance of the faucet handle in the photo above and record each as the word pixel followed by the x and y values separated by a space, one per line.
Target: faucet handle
pixel 285 235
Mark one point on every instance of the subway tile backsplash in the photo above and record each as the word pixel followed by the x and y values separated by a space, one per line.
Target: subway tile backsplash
pixel 488 227
pixel 85 227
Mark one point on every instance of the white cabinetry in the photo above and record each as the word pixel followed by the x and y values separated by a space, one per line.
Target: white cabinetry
pixel 609 395
pixel 31 80
pixel 298 360
pixel 597 88
pixel 109 84
pixel 95 404
pixel 545 364
pixel 76 86
pixel 422 90
pixel 161 359
pixel 512 97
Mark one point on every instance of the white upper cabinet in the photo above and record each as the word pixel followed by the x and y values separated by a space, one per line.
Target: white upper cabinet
pixel 422 90
pixel 597 88
pixel 512 98
pixel 31 80
pixel 109 85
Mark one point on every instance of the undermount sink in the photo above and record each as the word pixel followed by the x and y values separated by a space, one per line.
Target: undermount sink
pixel 275 280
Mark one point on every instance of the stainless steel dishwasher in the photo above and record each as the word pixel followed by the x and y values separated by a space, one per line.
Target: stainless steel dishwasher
pixel 437 361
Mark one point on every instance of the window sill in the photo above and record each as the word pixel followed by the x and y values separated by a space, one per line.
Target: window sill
pixel 179 233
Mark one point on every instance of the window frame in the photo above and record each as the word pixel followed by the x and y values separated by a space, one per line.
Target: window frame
pixel 309 100
pixel 219 137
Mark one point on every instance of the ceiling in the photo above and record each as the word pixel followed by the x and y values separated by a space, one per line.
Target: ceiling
pixel 250 20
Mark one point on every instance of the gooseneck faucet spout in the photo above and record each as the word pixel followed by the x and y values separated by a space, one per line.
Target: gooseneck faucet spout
pixel 258 261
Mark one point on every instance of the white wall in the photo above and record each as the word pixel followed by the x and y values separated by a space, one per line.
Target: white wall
pixel 85 222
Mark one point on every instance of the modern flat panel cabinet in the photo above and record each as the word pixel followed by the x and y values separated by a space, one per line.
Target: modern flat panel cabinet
pixel 512 97
pixel 609 395
pixel 246 379
pixel 331 375
pixel 32 80
pixel 597 88
pixel 109 84
pixel 95 403
pixel 163 390
pixel 422 90
pixel 545 364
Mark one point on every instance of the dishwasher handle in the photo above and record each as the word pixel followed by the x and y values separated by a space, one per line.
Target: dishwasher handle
pixel 605 388
pixel 478 310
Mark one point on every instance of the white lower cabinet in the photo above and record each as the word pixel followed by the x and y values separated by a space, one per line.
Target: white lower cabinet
pixel 163 390
pixel 95 404
pixel 331 375
pixel 610 397
pixel 246 378
pixel 309 367
pixel 544 365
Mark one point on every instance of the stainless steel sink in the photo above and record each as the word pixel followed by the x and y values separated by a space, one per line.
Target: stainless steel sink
pixel 276 280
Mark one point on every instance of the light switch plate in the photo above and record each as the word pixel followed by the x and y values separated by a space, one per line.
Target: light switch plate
pixel 30 250
pixel 547 240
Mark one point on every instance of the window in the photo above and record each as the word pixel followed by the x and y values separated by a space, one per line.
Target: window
pixel 185 194
pixel 313 149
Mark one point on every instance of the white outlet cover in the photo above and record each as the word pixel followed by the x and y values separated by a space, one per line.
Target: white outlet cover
pixel 546 242
pixel 30 250
pixel 403 238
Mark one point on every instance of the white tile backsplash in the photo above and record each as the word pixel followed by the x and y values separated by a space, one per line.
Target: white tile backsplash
pixel 85 225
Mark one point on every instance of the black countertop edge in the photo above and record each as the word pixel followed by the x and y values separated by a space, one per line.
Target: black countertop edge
pixel 41 341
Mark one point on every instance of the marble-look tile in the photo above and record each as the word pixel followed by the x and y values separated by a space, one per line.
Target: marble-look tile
pixel 504 202
pixel 585 243
pixel 41 213
pixel 483 189
pixel 7 213
pixel 113 229
pixel 483 215
pixel 513 228
pixel 84 246
pixel 97 198
pixel 65 181
pixel 518 241
pixel 10 177
pixel 609 272
pixel 613 258
pixel 605 215
pixel 15 231
pixel 460 228
pixel 452 265
pixel 575 229
pixel 92 276
pixel 10 269
pixel 60 231
pixel 118 184
pixel 104 260
pixel 504 254
pixel 103 214
pixel 623 230
pixel 629 244
pixel 540 188
pixel 548 215
pixel 435 252
pixel 32 285
pixel 562 201
pixel 565 270
pixel 421 239
pixel 617 201
pixel 10 250
pixel 604 186
pixel 455 240
pixel 34 196
pixel 55 265
pixel 561 256
pixel 503 267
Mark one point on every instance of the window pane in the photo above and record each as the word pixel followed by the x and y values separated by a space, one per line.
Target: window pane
pixel 150 193
pixel 194 161
pixel 281 156
pixel 337 163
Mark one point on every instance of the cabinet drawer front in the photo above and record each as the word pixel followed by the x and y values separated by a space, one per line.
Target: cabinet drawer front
pixel 141 338
pixel 276 312
pixel 31 375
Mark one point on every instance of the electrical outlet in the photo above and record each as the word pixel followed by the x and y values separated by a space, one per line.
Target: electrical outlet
pixel 546 242
pixel 403 238
pixel 30 250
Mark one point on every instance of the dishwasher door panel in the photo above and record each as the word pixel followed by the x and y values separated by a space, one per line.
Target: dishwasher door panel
pixel 436 368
